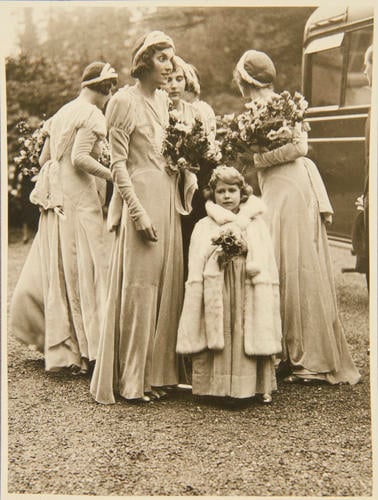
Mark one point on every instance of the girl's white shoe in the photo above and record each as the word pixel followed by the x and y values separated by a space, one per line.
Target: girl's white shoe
pixel 267 398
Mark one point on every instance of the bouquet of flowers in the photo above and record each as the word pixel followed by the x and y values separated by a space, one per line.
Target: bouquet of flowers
pixel 187 147
pixel 31 142
pixel 14 182
pixel 269 124
pixel 104 156
pixel 230 246
pixel 228 134
pixel 273 123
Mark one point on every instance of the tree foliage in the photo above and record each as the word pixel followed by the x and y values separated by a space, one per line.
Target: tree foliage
pixel 55 49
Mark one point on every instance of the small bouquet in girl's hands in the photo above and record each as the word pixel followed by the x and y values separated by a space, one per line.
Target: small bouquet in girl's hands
pixel 31 143
pixel 187 147
pixel 231 245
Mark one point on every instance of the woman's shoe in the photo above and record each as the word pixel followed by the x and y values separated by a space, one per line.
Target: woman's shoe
pixel 84 366
pixel 306 381
pixel 266 398
pixel 157 393
pixel 291 379
pixel 75 370
pixel 142 399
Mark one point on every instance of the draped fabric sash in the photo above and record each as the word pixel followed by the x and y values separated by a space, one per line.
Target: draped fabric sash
pixel 318 187
pixel 47 192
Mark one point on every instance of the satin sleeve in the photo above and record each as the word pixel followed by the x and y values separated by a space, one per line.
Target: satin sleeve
pixel 45 153
pixel 120 118
pixel 284 154
pixel 46 127
pixel 81 154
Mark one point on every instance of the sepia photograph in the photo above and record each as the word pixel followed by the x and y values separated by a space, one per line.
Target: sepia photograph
pixel 188 264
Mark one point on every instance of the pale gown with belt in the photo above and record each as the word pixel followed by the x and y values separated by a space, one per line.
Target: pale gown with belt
pixel 58 301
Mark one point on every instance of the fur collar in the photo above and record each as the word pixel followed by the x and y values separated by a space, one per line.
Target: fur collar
pixel 248 210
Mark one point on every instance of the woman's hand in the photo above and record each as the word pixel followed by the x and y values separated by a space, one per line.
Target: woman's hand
pixel 145 227
pixel 258 149
pixel 326 218
pixel 247 156
pixel 149 233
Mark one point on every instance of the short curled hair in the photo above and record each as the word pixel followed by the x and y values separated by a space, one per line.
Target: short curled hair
pixel 228 175
pixel 191 87
pixel 145 63
pixel 175 66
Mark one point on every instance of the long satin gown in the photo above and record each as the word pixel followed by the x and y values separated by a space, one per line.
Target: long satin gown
pixel 313 338
pixel 145 287
pixel 58 301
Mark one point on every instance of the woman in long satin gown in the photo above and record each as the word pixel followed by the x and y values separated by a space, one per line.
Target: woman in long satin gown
pixel 137 355
pixel 314 344
pixel 58 301
pixel 179 81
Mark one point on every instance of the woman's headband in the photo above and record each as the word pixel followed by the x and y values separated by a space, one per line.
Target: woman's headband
pixel 107 73
pixel 153 38
pixel 240 68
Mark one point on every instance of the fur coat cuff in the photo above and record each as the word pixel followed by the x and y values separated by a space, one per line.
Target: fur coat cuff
pixel 191 337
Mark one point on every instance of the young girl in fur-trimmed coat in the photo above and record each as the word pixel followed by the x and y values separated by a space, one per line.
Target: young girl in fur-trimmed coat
pixel 230 322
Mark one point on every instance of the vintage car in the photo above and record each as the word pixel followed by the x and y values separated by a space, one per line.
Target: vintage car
pixel 335 41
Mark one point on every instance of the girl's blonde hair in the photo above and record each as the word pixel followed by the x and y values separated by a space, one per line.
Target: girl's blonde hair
pixel 229 175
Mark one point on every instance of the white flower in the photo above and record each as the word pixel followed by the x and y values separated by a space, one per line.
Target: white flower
pixel 243 135
pixel 285 133
pixel 182 163
pixel 229 117
pixel 182 127
pixel 174 114
pixel 272 135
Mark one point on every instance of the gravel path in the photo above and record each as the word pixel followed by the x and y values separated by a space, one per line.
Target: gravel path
pixel 312 441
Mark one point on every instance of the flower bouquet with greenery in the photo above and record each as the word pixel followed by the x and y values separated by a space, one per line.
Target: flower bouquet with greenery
pixel 230 245
pixel 228 135
pixel 187 147
pixel 31 143
pixel 274 123
pixel 104 156
pixel 264 125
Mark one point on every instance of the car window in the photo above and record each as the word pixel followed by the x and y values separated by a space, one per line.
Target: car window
pixel 358 90
pixel 326 77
